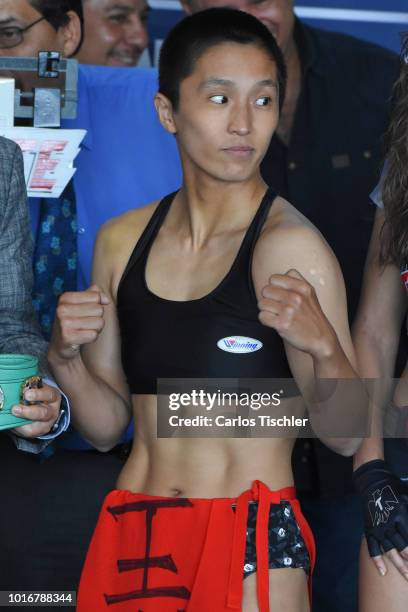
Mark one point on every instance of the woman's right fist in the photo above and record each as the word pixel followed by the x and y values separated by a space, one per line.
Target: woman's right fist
pixel 79 320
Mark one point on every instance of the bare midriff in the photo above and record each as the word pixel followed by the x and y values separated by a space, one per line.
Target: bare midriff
pixel 200 467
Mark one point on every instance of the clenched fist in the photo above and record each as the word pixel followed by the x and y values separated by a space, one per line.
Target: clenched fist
pixel 290 305
pixel 79 320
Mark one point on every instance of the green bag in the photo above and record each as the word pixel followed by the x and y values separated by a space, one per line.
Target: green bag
pixel 17 372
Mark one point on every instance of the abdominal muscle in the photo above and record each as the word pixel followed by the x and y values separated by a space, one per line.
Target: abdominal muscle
pixel 200 467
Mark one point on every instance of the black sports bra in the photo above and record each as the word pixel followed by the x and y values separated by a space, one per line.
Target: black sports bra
pixel 216 336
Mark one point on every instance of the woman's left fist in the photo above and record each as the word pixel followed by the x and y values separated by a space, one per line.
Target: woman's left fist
pixel 290 305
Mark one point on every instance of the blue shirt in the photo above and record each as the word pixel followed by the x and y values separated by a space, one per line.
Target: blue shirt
pixel 127 159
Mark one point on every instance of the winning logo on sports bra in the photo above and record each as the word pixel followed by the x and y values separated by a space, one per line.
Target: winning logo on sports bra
pixel 239 344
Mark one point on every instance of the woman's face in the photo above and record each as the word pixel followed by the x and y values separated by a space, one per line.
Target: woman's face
pixel 228 111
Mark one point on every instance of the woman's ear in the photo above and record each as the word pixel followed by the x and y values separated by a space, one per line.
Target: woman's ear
pixel 164 109
pixel 70 34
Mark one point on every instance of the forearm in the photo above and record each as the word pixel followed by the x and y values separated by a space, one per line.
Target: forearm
pixel 376 333
pixel 379 390
pixel 370 449
pixel 337 401
pixel 98 412
pixel 377 369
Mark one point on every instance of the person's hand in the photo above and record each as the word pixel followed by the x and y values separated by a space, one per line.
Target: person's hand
pixel 290 305
pixel 385 505
pixel 79 320
pixel 43 414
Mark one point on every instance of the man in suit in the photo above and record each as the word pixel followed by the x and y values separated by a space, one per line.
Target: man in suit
pixel 126 160
pixel 19 332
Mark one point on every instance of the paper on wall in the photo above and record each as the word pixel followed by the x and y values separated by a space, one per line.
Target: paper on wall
pixel 48 157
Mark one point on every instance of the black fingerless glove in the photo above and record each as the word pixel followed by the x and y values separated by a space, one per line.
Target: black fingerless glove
pixel 385 504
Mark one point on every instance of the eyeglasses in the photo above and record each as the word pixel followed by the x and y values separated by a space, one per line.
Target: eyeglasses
pixel 12 36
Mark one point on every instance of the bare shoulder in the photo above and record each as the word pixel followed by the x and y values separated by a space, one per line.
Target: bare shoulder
pixel 290 241
pixel 117 233
pixel 114 245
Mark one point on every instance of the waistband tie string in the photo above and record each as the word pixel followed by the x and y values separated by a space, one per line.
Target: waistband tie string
pixel 260 493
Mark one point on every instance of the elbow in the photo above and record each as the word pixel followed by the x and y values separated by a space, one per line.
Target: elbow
pixel 99 445
pixel 106 445
pixel 106 438
pixel 351 449
pixel 104 448
pixel 346 447
pixel 102 445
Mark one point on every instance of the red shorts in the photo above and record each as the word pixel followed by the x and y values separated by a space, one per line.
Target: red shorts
pixel 168 554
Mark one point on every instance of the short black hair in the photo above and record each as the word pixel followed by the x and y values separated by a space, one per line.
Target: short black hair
pixel 55 12
pixel 195 34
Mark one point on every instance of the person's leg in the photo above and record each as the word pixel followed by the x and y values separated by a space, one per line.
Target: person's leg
pixel 48 513
pixel 290 554
pixel 288 591
pixel 337 525
pixel 379 593
pixel 159 550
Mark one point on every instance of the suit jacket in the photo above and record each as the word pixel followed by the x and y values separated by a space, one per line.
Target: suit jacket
pixel 19 330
